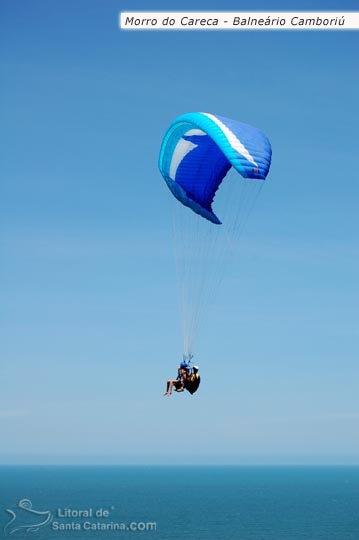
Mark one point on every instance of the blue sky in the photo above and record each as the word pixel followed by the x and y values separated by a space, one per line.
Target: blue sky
pixel 89 317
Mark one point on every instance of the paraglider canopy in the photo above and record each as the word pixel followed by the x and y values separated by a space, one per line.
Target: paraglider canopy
pixel 197 152
pixel 199 149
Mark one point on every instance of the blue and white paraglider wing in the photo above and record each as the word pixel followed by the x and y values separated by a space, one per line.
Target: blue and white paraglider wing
pixel 199 149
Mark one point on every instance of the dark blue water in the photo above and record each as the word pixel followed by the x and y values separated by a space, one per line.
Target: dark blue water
pixel 242 503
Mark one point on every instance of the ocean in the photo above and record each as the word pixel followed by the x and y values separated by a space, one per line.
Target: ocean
pixel 170 503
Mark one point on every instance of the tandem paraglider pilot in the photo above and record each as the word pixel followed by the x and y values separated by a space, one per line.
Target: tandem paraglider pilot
pixel 188 379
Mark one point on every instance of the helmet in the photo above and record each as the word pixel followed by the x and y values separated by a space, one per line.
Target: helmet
pixel 195 368
pixel 183 364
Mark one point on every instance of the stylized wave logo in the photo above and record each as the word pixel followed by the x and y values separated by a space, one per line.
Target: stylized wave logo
pixel 24 518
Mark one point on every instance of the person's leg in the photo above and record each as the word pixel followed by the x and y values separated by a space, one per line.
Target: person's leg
pixel 179 385
pixel 170 383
